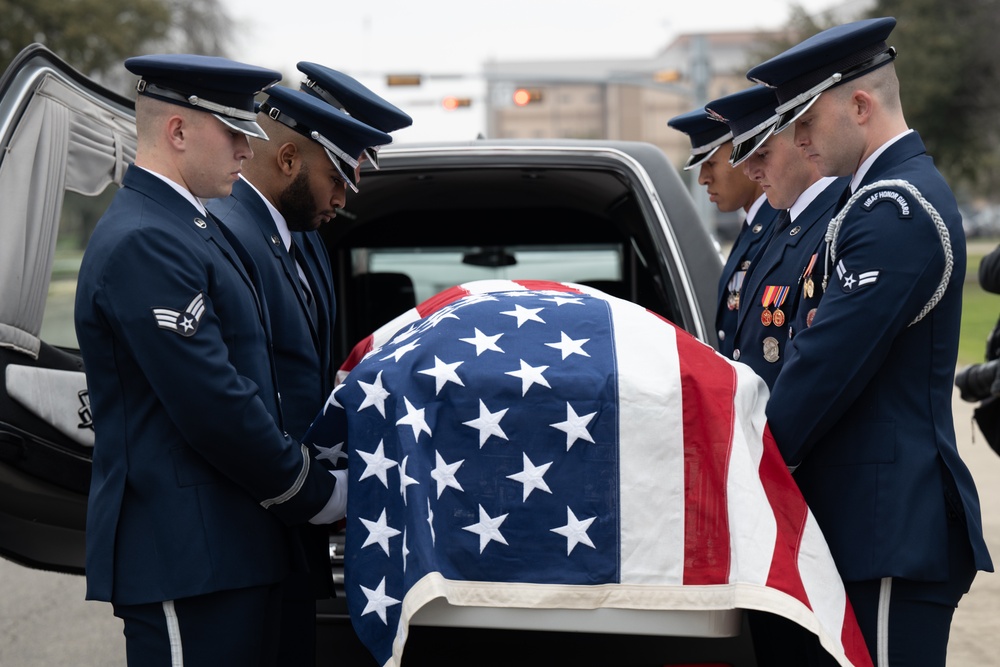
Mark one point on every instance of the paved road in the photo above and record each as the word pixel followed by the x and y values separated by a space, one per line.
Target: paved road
pixel 45 621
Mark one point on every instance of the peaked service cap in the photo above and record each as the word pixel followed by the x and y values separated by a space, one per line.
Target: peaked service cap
pixel 751 116
pixel 350 95
pixel 830 58
pixel 342 137
pixel 705 132
pixel 225 88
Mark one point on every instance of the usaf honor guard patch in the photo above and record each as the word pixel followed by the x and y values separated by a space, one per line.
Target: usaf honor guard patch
pixel 851 281
pixel 185 323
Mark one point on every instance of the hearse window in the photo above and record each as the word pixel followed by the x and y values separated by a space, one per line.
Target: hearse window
pixel 432 270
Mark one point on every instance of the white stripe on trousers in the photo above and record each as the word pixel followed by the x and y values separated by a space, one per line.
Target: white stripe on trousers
pixel 173 634
pixel 882 627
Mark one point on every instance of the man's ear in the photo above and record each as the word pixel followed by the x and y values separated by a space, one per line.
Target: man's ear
pixel 862 106
pixel 288 158
pixel 176 130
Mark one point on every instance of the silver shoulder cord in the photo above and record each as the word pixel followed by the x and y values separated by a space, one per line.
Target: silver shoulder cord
pixel 833 229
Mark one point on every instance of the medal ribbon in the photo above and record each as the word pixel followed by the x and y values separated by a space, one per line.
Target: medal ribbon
pixel 770 293
pixel 782 294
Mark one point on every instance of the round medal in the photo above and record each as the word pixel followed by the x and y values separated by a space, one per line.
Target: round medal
pixel 765 317
pixel 808 288
pixel 809 317
pixel 778 318
pixel 771 349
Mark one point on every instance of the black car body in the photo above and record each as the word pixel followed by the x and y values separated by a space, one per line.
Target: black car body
pixel 611 214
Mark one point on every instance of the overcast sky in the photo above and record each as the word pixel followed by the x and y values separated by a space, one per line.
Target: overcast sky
pixel 370 38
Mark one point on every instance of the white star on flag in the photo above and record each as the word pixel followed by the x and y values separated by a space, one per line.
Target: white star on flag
pixel 406 550
pixel 524 314
pixel 430 518
pixel 444 474
pixel 331 454
pixel 379 532
pixel 414 419
pixel 575 531
pixel 375 394
pixel 488 529
pixel 400 351
pixel 563 300
pixel 568 346
pixel 575 426
pixel 378 601
pixel 331 400
pixel 443 373
pixel 530 375
pixel 531 477
pixel 483 342
pixel 488 423
pixel 376 464
pixel 404 479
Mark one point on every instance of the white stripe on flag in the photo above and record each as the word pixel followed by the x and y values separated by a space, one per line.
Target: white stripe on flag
pixel 826 594
pixel 651 478
pixel 753 529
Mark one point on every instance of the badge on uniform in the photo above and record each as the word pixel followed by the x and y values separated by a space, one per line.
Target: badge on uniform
pixel 808 287
pixel 771 349
pixel 774 295
pixel 851 281
pixel 891 196
pixel 186 323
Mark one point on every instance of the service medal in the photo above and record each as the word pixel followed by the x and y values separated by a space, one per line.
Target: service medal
pixel 778 318
pixel 807 286
pixel 765 318
pixel 809 317
pixel 771 349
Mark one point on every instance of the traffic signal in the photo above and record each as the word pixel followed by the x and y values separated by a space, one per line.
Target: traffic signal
pixel 667 76
pixel 451 103
pixel 402 79
pixel 525 96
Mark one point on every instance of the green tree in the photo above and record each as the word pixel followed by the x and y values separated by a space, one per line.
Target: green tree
pixel 950 83
pixel 949 78
pixel 95 36
pixel 91 35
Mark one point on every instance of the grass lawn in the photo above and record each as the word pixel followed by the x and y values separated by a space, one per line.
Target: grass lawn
pixel 979 309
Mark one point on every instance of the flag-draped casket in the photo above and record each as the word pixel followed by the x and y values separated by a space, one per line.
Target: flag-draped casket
pixel 537 444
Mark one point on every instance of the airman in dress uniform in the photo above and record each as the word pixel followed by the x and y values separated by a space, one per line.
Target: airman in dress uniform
pixel 783 274
pixel 730 190
pixel 861 409
pixel 195 484
pixel 296 182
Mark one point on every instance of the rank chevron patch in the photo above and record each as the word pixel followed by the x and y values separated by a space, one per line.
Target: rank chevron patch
pixel 186 323
pixel 851 281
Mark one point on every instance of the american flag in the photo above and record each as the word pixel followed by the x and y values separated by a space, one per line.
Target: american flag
pixel 537 444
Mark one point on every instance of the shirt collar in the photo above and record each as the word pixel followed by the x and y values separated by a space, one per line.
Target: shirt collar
pixel 862 171
pixel 279 220
pixel 181 190
pixel 809 195
pixel 755 207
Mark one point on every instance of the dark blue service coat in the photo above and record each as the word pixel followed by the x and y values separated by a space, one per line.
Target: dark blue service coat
pixel 193 481
pixel 302 343
pixel 751 238
pixel 863 403
pixel 781 265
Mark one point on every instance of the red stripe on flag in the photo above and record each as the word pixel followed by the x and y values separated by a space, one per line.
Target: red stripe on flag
pixel 546 285
pixel 707 392
pixel 441 299
pixel 790 513
pixel 852 640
